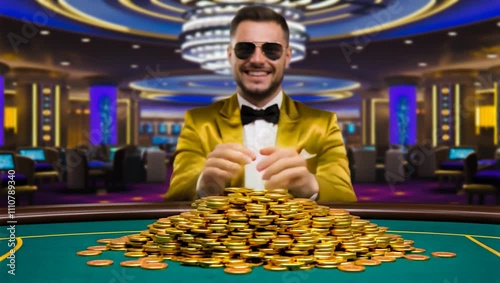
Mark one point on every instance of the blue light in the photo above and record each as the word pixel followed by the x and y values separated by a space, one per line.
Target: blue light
pixel 103 120
pixel 402 114
pixel 350 128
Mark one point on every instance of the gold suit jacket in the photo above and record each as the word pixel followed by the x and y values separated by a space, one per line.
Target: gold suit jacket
pixel 316 131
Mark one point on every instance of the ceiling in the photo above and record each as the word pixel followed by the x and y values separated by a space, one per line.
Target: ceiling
pixel 139 41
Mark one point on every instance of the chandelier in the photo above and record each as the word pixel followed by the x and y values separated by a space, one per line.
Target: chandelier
pixel 205 34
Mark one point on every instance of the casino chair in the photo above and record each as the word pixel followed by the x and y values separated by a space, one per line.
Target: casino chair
pixel 24 178
pixel 52 162
pixel 395 166
pixel 155 167
pixel 470 187
pixel 365 165
pixel 441 155
pixel 117 174
pixel 422 160
pixel 79 176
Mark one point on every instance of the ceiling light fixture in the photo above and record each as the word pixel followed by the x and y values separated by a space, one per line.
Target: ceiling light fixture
pixel 205 33
pixel 65 63
pixel 452 33
pixel 44 32
pixel 491 56
pixel 422 64
pixel 134 66
pixel 315 52
pixel 85 39
pixel 136 46
pixel 354 66
pixel 408 41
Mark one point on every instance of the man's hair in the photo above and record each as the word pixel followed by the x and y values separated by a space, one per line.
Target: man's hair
pixel 259 14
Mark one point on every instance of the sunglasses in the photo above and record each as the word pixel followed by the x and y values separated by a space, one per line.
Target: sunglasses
pixel 244 50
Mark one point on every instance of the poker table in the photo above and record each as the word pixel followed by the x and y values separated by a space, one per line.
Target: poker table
pixel 48 237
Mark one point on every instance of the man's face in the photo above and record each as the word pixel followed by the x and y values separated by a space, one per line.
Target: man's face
pixel 257 76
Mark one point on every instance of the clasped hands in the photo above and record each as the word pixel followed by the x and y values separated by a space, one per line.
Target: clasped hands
pixel 281 167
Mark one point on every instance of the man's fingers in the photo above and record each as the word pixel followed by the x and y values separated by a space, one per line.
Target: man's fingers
pixel 287 178
pixel 281 165
pixel 224 165
pixel 217 175
pixel 242 156
pixel 277 154
pixel 268 150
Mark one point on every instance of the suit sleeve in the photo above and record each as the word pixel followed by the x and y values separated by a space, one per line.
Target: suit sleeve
pixel 188 163
pixel 332 172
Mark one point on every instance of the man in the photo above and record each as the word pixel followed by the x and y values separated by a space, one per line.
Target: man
pixel 289 145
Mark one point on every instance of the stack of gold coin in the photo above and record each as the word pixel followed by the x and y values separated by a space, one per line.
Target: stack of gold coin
pixel 247 228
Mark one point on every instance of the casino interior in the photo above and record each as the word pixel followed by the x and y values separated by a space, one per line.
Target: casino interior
pixel 93 97
pixel 94 94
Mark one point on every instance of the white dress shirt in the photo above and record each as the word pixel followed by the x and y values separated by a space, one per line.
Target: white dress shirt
pixel 257 135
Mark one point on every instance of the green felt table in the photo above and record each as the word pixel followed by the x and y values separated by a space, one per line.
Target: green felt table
pixel 49 237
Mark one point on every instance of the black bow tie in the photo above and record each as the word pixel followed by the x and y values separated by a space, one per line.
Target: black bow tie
pixel 271 114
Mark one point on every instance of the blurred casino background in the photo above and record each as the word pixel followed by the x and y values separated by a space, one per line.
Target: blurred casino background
pixel 93 93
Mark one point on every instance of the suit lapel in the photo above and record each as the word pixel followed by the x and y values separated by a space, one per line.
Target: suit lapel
pixel 288 135
pixel 229 122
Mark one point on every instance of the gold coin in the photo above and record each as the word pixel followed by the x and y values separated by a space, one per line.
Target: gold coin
pixel 418 251
pixel 274 267
pixel 367 262
pixel 218 265
pixel 232 270
pixel 351 268
pixel 89 253
pixel 104 241
pixel 443 254
pixel 154 265
pixel 151 259
pixel 98 248
pixel 327 266
pixel 395 254
pixel 307 267
pixel 100 262
pixel 416 257
pixel 384 258
pixel 136 254
pixel 131 263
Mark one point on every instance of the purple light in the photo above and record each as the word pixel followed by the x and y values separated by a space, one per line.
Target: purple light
pixel 403 114
pixel 2 110
pixel 103 120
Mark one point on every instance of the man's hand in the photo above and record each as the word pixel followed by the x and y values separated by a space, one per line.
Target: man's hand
pixel 223 163
pixel 285 168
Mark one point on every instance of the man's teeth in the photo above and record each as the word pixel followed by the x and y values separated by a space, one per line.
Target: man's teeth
pixel 257 73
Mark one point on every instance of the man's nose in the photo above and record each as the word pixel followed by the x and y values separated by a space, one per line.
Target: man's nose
pixel 258 55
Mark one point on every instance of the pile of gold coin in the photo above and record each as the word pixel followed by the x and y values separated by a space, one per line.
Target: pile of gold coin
pixel 248 228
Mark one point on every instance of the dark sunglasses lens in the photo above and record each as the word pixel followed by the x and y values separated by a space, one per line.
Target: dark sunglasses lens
pixel 272 51
pixel 243 50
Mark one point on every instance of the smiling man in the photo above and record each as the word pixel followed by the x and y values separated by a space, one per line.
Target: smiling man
pixel 260 138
